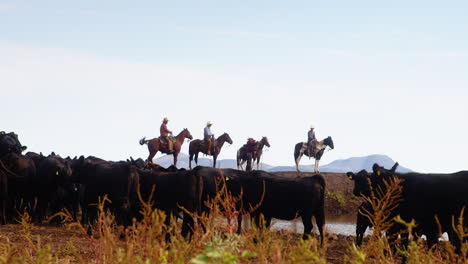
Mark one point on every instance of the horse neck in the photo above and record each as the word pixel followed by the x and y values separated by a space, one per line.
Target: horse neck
pixel 220 141
pixel 321 144
pixel 180 137
pixel 261 144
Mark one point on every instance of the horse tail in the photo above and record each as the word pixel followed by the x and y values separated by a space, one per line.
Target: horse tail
pixel 296 151
pixel 143 141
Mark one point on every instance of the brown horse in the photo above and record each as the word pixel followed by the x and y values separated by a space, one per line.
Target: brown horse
pixel 154 145
pixel 243 156
pixel 199 145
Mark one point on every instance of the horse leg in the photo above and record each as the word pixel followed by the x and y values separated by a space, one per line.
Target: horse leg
pixel 190 160
pixel 316 170
pixel 152 151
pixel 196 158
pixel 214 160
pixel 298 159
pixel 242 165
pixel 151 155
pixel 175 159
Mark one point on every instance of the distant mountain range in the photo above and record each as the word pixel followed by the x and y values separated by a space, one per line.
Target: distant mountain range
pixel 354 164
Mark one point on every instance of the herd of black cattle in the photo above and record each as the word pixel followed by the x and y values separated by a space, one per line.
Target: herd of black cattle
pixel 44 185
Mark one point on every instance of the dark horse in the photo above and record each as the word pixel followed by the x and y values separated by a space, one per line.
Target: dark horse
pixel 199 145
pixel 243 156
pixel 154 145
pixel 302 148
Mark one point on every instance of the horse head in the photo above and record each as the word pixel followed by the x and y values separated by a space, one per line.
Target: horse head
pixel 329 142
pixel 187 134
pixel 265 142
pixel 226 138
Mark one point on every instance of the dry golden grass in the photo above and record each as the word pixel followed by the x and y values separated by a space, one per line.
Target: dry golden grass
pixel 145 242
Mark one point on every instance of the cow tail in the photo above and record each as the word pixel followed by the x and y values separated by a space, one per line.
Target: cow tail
pixel 320 213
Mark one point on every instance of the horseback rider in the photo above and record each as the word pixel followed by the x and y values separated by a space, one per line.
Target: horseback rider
pixel 311 140
pixel 208 136
pixel 164 135
pixel 251 145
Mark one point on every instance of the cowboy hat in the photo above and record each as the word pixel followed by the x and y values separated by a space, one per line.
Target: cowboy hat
pixel 312 126
pixel 165 119
pixel 209 123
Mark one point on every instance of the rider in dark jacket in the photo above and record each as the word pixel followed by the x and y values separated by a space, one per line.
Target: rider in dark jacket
pixel 311 140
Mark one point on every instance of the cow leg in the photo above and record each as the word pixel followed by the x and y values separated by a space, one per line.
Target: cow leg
pixel 167 223
pixel 239 224
pixel 432 239
pixel 361 227
pixel 187 226
pixel 307 222
pixel 267 221
pixel 320 222
pixel 3 212
pixel 455 240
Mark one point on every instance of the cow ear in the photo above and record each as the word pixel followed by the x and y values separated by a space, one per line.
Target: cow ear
pixel 375 168
pixel 350 175
pixel 81 159
pixel 393 169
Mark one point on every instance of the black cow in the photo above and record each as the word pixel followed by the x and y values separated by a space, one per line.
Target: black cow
pixel 54 177
pixel 9 143
pixel 429 199
pixel 3 196
pixel 117 180
pixel 275 196
pixel 172 191
pixel 18 178
pixel 139 163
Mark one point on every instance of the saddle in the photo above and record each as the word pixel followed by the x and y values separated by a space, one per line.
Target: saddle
pixel 213 143
pixel 163 142
pixel 310 148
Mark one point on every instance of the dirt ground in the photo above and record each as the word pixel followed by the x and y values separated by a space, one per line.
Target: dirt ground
pixel 60 239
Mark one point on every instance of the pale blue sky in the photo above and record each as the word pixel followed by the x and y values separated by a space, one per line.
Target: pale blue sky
pixel 379 77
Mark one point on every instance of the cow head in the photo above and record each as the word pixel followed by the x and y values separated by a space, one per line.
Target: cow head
pixel 9 143
pixel 379 171
pixel 362 182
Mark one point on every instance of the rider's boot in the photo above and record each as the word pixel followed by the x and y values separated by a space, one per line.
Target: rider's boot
pixel 170 146
pixel 208 147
